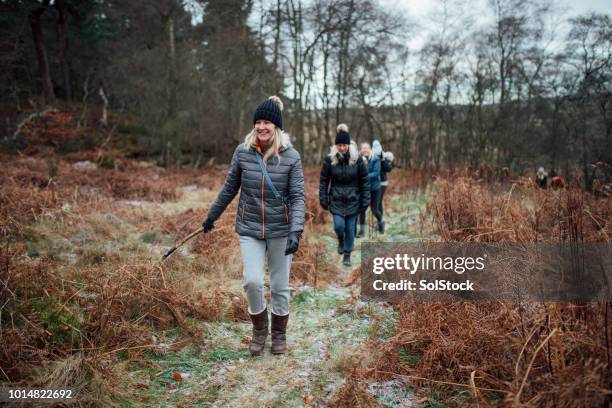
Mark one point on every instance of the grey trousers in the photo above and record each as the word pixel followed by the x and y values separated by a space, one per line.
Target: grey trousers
pixel 254 252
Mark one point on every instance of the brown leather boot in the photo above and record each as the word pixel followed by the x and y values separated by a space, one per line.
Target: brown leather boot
pixel 279 328
pixel 260 332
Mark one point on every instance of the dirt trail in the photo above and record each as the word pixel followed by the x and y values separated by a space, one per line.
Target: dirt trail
pixel 327 327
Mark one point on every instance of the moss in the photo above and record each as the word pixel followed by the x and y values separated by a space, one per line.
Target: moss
pixel 302 297
pixel 408 357
pixel 52 167
pixel 106 162
pixel 223 355
pixel 58 319
pixel 32 249
pixel 152 237
pixel 92 256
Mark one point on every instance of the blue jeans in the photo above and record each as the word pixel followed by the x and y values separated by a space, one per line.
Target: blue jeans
pixel 344 226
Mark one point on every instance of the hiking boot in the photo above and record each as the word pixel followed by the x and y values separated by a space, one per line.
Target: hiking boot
pixel 260 332
pixel 381 227
pixel 279 328
pixel 361 231
pixel 340 246
pixel 346 260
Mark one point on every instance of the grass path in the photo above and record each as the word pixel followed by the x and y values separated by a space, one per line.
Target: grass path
pixel 326 329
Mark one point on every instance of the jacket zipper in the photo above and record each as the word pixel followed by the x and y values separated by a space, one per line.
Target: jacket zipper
pixel 262 206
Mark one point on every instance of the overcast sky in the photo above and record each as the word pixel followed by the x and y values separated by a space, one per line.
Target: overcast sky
pixel 420 8
pixel 421 13
pixel 424 16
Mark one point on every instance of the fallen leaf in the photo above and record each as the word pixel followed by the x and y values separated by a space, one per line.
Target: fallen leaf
pixel 177 376
pixel 308 399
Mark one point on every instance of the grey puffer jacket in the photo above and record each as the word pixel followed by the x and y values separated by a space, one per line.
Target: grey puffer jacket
pixel 260 214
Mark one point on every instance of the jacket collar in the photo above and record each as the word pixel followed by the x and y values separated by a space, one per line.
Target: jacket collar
pixel 351 157
pixel 343 157
pixel 286 144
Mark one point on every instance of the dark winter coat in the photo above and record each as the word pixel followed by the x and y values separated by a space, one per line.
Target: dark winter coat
pixel 260 214
pixel 344 184
pixel 386 166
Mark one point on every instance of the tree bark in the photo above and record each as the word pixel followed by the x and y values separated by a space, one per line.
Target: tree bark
pixel 63 52
pixel 41 53
pixel 171 67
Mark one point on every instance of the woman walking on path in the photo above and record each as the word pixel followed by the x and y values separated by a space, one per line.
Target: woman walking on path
pixel 374 169
pixel 361 217
pixel 270 218
pixel 344 189
pixel 386 165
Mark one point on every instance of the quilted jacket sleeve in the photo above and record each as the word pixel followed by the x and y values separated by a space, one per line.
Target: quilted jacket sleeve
pixel 230 187
pixel 297 197
pixel 324 183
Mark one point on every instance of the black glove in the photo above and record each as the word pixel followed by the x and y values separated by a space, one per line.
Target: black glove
pixel 293 241
pixel 208 224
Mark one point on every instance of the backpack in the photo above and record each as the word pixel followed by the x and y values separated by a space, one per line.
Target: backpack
pixel 386 165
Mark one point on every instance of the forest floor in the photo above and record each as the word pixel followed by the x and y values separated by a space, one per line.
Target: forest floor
pixel 86 304
pixel 124 329
pixel 327 329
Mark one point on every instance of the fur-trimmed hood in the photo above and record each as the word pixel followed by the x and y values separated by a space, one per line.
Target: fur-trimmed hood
pixel 353 154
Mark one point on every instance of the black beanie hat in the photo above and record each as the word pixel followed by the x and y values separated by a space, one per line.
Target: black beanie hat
pixel 343 136
pixel 270 109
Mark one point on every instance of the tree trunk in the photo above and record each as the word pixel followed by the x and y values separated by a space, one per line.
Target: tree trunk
pixel 41 53
pixel 171 67
pixel 63 52
pixel 277 30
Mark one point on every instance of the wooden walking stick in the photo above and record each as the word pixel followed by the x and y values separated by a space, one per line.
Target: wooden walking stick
pixel 180 244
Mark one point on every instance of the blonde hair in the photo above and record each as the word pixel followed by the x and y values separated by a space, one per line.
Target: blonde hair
pixel 277 141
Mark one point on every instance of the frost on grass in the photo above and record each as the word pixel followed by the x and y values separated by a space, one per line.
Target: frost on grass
pixel 326 327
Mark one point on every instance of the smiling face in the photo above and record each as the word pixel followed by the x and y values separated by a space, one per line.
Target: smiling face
pixel 342 148
pixel 265 130
pixel 365 149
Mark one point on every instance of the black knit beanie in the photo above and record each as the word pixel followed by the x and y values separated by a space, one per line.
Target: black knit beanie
pixel 271 110
pixel 342 135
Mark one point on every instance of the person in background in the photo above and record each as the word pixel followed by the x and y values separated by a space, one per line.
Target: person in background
pixel 542 178
pixel 557 182
pixel 344 189
pixel 374 170
pixel 386 165
pixel 361 217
